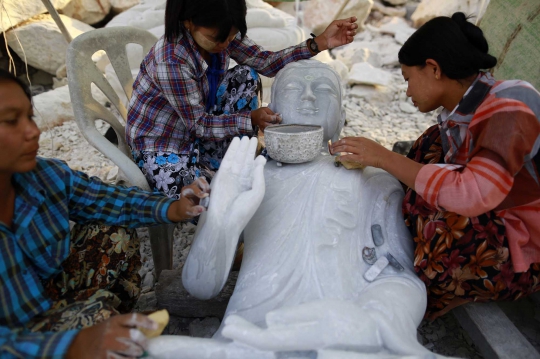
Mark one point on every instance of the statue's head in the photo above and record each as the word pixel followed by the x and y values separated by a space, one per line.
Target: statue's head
pixel 309 92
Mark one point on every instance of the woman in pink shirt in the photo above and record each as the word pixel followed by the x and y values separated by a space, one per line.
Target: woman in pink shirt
pixel 472 199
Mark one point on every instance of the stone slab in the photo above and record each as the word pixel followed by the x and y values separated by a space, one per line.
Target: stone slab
pixel 491 330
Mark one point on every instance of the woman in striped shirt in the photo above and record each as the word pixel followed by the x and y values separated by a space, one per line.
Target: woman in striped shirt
pixel 472 199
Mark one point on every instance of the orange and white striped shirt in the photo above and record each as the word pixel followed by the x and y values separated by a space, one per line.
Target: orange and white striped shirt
pixel 491 143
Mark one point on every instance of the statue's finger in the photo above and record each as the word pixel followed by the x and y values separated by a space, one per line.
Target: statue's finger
pixel 241 155
pixel 258 176
pixel 228 159
pixel 247 167
pixel 252 150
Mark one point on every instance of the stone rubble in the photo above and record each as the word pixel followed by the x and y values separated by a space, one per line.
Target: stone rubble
pixel 87 11
pixel 16 11
pixel 46 51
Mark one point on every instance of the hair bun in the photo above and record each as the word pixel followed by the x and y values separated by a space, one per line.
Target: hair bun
pixel 459 18
pixel 472 32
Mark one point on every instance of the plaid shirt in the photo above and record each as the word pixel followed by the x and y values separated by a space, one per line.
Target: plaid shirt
pixel 167 110
pixel 38 241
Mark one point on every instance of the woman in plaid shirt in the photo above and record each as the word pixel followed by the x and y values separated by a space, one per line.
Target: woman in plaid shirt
pixel 187 105
pixel 61 290
pixel 472 198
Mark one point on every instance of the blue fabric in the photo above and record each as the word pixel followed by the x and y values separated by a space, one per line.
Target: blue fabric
pixel 213 73
pixel 34 247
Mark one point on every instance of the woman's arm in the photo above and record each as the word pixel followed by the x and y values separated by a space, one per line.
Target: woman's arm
pixel 469 190
pixel 34 345
pixel 268 63
pixel 90 199
pixel 369 153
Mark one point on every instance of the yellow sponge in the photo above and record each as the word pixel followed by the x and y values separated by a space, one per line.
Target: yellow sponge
pixel 347 164
pixel 350 165
pixel 162 318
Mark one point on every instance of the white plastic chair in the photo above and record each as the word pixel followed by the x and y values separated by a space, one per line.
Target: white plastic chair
pixel 82 72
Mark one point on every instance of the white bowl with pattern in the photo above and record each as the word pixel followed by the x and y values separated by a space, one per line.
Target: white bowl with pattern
pixel 293 143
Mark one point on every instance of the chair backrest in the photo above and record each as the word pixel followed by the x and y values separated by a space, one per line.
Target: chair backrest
pixel 82 72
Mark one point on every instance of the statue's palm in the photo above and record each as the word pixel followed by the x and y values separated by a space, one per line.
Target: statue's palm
pixel 238 188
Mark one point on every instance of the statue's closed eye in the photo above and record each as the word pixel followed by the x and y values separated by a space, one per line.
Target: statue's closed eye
pixel 324 88
pixel 293 87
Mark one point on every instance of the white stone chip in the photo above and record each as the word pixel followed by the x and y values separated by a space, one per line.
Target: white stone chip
pixel 376 269
pixel 364 73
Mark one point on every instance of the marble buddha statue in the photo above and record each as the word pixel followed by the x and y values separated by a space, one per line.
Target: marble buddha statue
pixel 306 288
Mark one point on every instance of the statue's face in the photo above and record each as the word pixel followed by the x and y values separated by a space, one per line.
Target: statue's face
pixel 309 95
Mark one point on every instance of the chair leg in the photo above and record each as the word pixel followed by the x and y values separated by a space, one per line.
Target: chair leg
pixel 161 242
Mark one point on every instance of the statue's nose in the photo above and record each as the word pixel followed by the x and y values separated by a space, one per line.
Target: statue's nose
pixel 307 94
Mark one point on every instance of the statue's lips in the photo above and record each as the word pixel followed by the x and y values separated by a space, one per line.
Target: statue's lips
pixel 308 111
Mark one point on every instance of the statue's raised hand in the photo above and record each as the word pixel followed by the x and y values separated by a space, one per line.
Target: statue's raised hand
pixel 238 187
pixel 236 192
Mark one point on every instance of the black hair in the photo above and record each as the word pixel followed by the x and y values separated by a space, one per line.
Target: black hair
pixel 8 76
pixel 458 46
pixel 220 14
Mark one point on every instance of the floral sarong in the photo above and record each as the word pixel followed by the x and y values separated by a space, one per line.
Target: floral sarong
pixel 460 257
pixel 100 278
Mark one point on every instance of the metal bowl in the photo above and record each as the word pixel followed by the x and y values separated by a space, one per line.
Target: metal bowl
pixel 293 143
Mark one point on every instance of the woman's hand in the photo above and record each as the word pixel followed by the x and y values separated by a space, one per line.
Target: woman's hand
pixel 361 150
pixel 338 33
pixel 370 153
pixel 115 338
pixel 264 117
pixel 188 205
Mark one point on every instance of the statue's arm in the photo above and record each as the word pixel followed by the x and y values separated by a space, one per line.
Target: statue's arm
pixel 210 258
pixel 236 192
